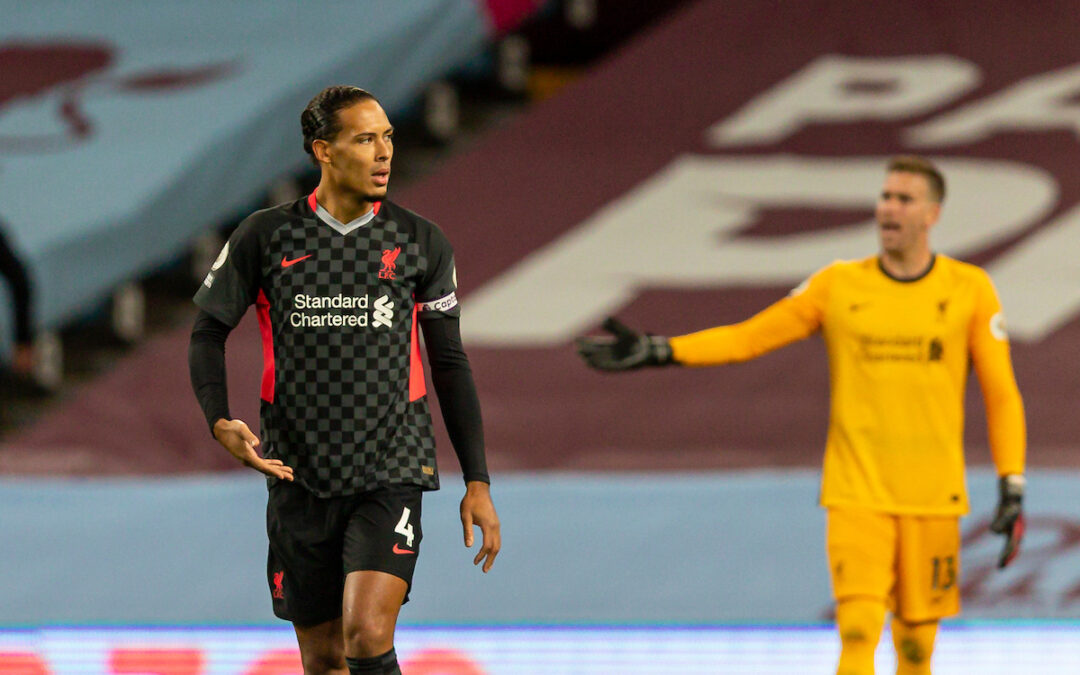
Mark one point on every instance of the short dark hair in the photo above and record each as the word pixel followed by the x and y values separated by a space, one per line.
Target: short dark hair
pixel 320 118
pixel 923 167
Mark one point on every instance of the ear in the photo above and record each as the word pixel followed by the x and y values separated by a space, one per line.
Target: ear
pixel 933 214
pixel 321 150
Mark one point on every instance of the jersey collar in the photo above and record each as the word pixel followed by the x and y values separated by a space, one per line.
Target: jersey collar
pixel 908 280
pixel 343 228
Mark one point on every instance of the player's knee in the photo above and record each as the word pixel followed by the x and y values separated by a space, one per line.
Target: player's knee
pixel 914 646
pixel 912 652
pixel 370 634
pixel 855 635
pixel 859 622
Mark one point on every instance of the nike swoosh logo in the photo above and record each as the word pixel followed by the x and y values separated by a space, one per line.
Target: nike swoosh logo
pixel 285 262
pixel 402 551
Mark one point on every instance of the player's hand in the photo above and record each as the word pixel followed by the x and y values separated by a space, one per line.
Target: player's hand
pixel 240 442
pixel 1009 517
pixel 478 509
pixel 624 349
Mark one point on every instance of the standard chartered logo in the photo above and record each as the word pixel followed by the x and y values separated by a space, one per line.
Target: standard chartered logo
pixel 383 315
pixel 321 311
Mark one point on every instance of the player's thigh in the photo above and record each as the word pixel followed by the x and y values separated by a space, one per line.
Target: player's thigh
pixel 384 532
pixel 928 568
pixel 861 545
pixel 370 611
pixel 305 552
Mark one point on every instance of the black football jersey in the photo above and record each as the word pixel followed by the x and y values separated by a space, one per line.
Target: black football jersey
pixel 343 394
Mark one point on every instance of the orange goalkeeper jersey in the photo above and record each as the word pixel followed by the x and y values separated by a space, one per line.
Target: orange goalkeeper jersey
pixel 898 361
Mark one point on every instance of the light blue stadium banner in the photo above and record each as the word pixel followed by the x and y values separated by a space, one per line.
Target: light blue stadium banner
pixel 724 548
pixel 126 128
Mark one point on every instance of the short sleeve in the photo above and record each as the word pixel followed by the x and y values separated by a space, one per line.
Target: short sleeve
pixel 436 294
pixel 233 282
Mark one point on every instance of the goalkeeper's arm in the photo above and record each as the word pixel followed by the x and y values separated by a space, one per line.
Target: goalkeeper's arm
pixel 777 325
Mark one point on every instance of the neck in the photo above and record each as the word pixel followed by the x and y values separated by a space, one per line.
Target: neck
pixel 906 265
pixel 344 206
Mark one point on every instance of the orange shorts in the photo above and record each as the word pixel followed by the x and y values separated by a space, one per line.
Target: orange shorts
pixel 911 562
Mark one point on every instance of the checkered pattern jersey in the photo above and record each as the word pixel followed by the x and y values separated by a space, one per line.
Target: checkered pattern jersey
pixel 343 398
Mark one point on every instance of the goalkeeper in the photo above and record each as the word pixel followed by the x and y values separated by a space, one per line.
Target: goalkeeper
pixel 901 329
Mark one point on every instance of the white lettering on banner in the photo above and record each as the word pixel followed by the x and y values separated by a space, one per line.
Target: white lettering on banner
pixel 837 88
pixel 1038 279
pixel 1044 102
pixel 443 304
pixel 383 314
pixel 598 267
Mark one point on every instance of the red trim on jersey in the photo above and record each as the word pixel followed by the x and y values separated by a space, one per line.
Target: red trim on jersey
pixel 314 203
pixel 417 386
pixel 262 310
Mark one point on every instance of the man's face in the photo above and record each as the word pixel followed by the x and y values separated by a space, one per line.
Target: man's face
pixel 905 212
pixel 359 157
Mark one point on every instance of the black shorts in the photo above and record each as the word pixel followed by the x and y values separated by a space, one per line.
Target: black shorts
pixel 315 543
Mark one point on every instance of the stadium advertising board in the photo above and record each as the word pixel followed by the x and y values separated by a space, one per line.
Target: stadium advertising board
pixel 987 649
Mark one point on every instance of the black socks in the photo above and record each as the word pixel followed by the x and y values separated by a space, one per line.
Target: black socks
pixel 385 664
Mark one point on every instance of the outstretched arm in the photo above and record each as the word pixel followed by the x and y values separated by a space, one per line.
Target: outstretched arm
pixel 626 349
pixel 792 318
pixel 775 326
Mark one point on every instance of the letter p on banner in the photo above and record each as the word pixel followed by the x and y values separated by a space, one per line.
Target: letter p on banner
pixel 835 88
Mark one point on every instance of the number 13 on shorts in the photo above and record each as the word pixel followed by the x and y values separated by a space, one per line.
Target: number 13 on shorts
pixel 404 528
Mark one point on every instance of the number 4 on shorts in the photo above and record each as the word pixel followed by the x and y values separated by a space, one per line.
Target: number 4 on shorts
pixel 404 528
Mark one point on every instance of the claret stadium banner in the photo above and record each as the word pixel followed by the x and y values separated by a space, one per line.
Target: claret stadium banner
pixel 705 171
pixel 697 175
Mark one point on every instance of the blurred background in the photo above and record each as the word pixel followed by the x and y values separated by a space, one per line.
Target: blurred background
pixel 679 164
